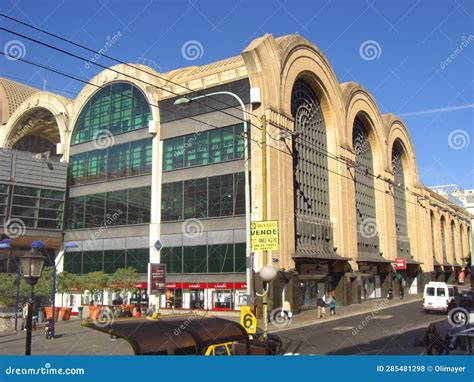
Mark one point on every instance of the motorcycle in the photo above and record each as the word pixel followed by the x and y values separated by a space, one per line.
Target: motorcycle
pixel 48 329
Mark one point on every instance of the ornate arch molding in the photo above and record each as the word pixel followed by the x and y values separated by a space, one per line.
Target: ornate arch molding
pixel 359 103
pixel 55 104
pixel 108 77
pixel 397 133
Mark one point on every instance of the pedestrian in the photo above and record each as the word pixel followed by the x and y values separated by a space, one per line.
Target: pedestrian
pixel 332 306
pixel 24 316
pixel 138 313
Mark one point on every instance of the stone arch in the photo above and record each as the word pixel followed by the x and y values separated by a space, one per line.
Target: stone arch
pixel 43 115
pixel 397 133
pixel 359 103
pixel 107 77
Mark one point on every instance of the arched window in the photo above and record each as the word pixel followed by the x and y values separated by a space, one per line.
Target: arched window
pixel 453 241
pixel 433 241
pixel 114 109
pixel 117 108
pixel 311 184
pixel 403 242
pixel 367 229
pixel 443 238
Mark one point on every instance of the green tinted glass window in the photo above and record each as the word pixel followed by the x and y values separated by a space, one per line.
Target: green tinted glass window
pixel 195 259
pixel 173 258
pixel 117 108
pixel 173 153
pixel 221 258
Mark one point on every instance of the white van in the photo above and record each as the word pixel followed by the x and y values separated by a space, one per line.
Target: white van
pixel 438 296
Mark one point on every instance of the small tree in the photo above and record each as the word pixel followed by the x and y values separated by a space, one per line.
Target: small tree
pixel 123 278
pixel 94 282
pixel 8 282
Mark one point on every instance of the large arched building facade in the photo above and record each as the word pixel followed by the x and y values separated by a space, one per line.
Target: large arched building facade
pixel 342 180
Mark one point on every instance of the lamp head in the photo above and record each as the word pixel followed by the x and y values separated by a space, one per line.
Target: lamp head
pixel 268 273
pixel 183 101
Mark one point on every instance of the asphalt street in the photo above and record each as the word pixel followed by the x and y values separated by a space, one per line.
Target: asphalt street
pixel 388 331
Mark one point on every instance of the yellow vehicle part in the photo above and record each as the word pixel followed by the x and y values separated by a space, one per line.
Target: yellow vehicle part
pixel 219 349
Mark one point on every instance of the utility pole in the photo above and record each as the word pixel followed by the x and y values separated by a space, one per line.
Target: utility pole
pixel 264 218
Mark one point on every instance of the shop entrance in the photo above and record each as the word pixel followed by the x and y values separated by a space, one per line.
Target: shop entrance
pixel 197 298
pixel 222 299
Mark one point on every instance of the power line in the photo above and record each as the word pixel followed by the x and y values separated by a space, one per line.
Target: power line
pixel 114 59
pixel 153 85
pixel 117 71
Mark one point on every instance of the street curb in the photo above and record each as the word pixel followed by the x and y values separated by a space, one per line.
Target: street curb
pixel 343 316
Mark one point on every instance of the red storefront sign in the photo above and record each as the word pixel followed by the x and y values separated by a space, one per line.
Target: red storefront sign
pixel 239 286
pixel 400 263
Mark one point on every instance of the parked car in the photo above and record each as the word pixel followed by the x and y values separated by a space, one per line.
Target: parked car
pixel 439 296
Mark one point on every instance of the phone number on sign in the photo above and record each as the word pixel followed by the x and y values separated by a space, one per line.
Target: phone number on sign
pixel 403 368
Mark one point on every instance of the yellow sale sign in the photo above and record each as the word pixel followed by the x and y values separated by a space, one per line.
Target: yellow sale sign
pixel 264 235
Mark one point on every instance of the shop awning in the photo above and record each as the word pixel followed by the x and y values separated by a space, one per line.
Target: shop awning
pixel 189 335
pixel 372 258
pixel 319 254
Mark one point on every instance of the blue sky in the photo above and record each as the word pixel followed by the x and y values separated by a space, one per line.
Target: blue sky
pixel 409 74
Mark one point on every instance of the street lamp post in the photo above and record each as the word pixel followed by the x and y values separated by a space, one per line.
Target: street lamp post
pixel 267 274
pixel 53 294
pixel 31 267
pixel 185 101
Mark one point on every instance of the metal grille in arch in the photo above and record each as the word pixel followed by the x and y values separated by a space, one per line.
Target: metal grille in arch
pixel 310 162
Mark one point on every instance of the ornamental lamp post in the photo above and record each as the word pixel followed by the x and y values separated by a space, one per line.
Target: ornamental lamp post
pixel 31 268
pixel 267 274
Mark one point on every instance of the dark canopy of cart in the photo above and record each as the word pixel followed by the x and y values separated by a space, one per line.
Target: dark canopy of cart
pixel 172 336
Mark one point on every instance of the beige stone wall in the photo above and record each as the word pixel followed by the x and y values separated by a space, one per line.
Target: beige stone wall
pixel 273 66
